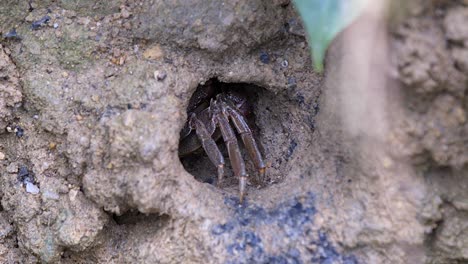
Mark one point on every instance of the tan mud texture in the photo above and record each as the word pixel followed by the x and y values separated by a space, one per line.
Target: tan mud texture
pixel 366 162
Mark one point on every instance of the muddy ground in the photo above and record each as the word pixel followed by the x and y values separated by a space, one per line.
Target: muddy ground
pixel 366 162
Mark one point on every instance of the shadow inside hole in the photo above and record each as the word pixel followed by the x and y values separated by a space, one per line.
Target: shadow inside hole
pixel 134 217
pixel 197 162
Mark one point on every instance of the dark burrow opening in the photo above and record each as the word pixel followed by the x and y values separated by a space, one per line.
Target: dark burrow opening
pixel 281 122
pixel 194 158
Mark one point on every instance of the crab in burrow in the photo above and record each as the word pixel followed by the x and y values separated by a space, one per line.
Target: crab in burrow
pixel 209 119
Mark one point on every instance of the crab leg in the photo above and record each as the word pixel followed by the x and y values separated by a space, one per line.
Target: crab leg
pixel 209 145
pixel 249 141
pixel 238 165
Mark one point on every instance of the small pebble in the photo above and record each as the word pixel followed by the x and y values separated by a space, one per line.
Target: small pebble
pixel 56 25
pixel 284 64
pixel 72 195
pixel 95 98
pixel 121 60
pixel 2 156
pixel 460 115
pixel 52 145
pixel 62 189
pixel 160 75
pixel 79 117
pixel 31 188
pixel 125 13
pixel 387 162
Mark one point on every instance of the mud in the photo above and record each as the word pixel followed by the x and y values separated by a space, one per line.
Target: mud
pixel 366 163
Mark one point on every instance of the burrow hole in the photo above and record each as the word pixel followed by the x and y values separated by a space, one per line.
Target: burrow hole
pixel 272 118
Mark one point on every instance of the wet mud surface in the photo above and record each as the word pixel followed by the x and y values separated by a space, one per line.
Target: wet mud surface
pixel 93 96
pixel 256 234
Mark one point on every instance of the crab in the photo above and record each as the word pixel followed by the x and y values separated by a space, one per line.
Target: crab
pixel 209 119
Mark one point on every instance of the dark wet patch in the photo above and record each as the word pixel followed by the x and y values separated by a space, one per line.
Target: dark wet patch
pixel 292 83
pixel 300 99
pixel 290 224
pixel 19 132
pixel 264 57
pixel 209 181
pixel 12 34
pixel 39 23
pixel 134 217
pixel 316 108
pixel 24 175
pixel 325 253
pixel 291 148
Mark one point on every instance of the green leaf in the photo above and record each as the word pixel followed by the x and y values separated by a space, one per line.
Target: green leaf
pixel 323 20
